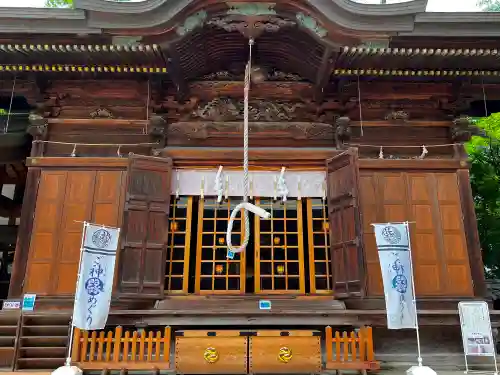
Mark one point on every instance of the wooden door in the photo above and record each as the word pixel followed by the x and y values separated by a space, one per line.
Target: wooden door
pixel 347 256
pixel 143 255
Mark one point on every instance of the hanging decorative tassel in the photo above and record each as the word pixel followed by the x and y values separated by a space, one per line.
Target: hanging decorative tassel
pixel 177 187
pixel 218 184
pixel 73 153
pixel 226 193
pixel 299 194
pixel 282 188
pixel 118 152
pixel 275 183
pixel 324 191
pixel 424 152
pixel 381 153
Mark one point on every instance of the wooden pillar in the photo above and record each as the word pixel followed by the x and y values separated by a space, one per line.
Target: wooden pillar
pixel 24 234
pixel 471 233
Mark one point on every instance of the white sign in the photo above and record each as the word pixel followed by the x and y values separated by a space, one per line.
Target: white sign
pixel 476 329
pixel 11 305
pixel 393 244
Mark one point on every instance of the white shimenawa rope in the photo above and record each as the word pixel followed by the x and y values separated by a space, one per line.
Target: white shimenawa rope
pixel 245 206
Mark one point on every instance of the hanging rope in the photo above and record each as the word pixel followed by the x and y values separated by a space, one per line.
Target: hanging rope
pixel 245 206
pixel 6 128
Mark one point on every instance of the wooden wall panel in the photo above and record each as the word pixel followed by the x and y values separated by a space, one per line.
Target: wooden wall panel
pixel 44 239
pixel 65 200
pixel 431 202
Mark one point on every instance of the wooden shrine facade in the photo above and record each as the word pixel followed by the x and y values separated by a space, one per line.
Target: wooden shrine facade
pixel 121 99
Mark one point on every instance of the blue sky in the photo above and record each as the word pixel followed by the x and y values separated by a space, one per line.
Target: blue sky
pixel 433 5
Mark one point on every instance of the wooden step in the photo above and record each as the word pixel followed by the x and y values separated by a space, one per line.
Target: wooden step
pixel 42 352
pixel 61 331
pixel 39 363
pixel 46 320
pixel 43 341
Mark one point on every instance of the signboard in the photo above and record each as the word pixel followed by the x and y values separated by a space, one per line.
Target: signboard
pixel 476 329
pixel 264 305
pixel 11 305
pixel 29 302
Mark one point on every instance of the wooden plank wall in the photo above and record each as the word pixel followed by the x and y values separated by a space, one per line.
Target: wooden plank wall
pixel 432 201
pixel 65 199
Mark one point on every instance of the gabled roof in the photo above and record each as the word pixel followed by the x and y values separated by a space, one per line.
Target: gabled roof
pixel 156 16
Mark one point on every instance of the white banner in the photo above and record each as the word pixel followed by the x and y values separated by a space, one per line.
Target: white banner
pixel 393 244
pixel 262 183
pixel 476 329
pixel 95 281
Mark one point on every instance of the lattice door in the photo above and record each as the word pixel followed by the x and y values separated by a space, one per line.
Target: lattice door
pixel 215 274
pixel 318 239
pixel 178 245
pixel 279 249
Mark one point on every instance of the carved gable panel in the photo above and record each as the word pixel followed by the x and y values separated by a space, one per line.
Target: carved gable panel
pixel 259 110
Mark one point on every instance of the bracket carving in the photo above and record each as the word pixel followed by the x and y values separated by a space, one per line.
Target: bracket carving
pixel 463 129
pixel 343 131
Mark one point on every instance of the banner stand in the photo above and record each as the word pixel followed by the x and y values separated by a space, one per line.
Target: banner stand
pixel 477 336
pixel 394 249
pixel 67 368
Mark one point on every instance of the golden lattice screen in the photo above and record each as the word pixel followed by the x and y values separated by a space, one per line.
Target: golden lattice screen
pixel 215 274
pixel 285 248
pixel 178 245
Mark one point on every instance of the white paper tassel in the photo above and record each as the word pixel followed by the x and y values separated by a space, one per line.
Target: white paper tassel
pixel 282 188
pixel 424 152
pixel 218 184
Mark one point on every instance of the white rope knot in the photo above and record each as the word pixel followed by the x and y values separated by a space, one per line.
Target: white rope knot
pixel 245 206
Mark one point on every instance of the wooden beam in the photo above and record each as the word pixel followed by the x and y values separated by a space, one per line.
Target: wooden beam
pixel 259 156
pixel 78 162
pixel 324 72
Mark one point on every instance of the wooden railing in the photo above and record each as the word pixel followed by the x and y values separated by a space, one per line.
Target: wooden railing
pixel 117 350
pixel 350 351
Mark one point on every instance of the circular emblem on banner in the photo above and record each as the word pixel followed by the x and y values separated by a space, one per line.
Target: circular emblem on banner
pixel 391 235
pixel 400 283
pixel 101 238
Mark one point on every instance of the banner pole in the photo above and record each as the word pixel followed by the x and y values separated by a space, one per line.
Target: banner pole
pixel 417 330
pixel 72 327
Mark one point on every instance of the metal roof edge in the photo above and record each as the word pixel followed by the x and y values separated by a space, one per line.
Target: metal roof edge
pixel 42 13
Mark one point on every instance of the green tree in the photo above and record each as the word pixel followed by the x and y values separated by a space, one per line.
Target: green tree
pixel 489 5
pixel 484 156
pixel 67 3
pixel 59 3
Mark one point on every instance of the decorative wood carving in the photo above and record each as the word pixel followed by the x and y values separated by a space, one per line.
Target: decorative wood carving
pixel 101 113
pixel 463 129
pixel 244 24
pixel 273 75
pixel 260 110
pixel 38 126
pixel 291 130
pixel 397 116
pixel 251 19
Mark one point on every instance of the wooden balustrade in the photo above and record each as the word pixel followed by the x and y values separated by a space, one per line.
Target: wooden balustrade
pixel 350 351
pixel 117 350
